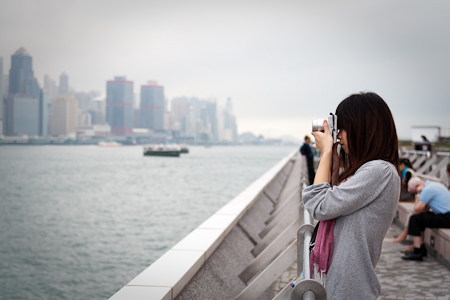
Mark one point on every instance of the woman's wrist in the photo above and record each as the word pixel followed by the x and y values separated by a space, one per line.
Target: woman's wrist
pixel 327 151
pixel 323 171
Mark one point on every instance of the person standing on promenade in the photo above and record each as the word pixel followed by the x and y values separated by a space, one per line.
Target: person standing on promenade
pixel 429 194
pixel 355 212
pixel 306 151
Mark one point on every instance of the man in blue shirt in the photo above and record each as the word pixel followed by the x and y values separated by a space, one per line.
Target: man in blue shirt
pixel 306 151
pixel 429 194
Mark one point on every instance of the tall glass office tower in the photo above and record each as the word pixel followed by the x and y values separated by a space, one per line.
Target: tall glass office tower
pixel 63 84
pixel 119 105
pixel 152 106
pixel 25 109
pixel 1 95
pixel 21 76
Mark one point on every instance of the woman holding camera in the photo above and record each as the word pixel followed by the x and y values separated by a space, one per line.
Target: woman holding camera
pixel 357 208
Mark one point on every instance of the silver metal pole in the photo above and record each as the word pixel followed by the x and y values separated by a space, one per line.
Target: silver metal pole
pixel 307 217
pixel 309 295
pixel 306 270
pixel 306 241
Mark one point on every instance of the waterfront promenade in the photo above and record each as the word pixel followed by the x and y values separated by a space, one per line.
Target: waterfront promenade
pixel 254 244
pixel 399 279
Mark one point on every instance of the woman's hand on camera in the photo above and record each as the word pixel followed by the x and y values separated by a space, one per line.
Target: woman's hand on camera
pixel 335 172
pixel 324 140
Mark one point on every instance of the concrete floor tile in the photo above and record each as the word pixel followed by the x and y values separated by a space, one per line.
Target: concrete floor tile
pixel 401 279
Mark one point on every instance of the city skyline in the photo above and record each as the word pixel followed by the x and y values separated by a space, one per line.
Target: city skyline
pixel 282 64
pixel 204 120
pixel 87 118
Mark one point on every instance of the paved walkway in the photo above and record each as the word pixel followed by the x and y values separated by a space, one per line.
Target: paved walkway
pixel 400 279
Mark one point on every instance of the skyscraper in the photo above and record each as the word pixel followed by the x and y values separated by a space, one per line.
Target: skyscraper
pixel 152 107
pixel 1 95
pixel 119 105
pixel 180 112
pixel 4 98
pixel 1 78
pixel 43 113
pixel 21 76
pixel 64 115
pixel 63 84
pixel 5 85
pixel 195 118
pixel 209 119
pixel 50 88
pixel 97 109
pixel 24 114
pixel 230 123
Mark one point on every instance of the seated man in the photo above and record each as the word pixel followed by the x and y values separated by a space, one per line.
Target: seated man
pixel 406 172
pixel 429 194
pixel 448 173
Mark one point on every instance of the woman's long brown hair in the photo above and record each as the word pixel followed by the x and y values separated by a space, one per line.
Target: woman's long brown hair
pixel 371 132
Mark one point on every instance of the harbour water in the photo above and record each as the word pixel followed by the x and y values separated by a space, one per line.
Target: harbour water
pixel 79 222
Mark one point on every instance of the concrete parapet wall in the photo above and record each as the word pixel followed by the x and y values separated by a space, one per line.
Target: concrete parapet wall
pixel 216 251
pixel 219 278
pixel 439 241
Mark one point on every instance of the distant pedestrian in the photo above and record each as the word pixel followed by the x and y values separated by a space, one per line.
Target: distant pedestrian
pixel 306 151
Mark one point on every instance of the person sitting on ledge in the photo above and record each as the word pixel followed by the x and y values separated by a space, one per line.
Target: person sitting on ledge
pixel 448 173
pixel 406 172
pixel 429 194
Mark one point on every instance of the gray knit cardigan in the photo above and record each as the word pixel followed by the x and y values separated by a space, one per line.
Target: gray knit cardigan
pixel 364 207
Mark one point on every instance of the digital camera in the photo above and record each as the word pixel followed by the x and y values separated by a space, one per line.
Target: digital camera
pixel 317 125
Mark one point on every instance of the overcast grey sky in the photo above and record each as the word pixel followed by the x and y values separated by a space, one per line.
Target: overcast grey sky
pixel 282 62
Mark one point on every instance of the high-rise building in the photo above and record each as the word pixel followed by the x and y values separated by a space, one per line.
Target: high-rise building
pixel 229 106
pixel 180 112
pixel 3 99
pixel 44 104
pixel 209 118
pixel 21 76
pixel 195 119
pixel 85 119
pixel 1 96
pixel 152 107
pixel 97 109
pixel 64 115
pixel 230 122
pixel 5 85
pixel 24 111
pixel 50 88
pixel 85 99
pixel 2 92
pixel 22 115
pixel 119 105
pixel 63 84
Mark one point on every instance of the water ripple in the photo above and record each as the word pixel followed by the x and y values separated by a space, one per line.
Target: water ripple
pixel 79 222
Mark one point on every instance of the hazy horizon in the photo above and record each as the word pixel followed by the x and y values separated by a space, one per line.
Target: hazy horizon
pixel 282 64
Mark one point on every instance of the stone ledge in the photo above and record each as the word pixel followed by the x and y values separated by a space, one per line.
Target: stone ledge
pixel 436 239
